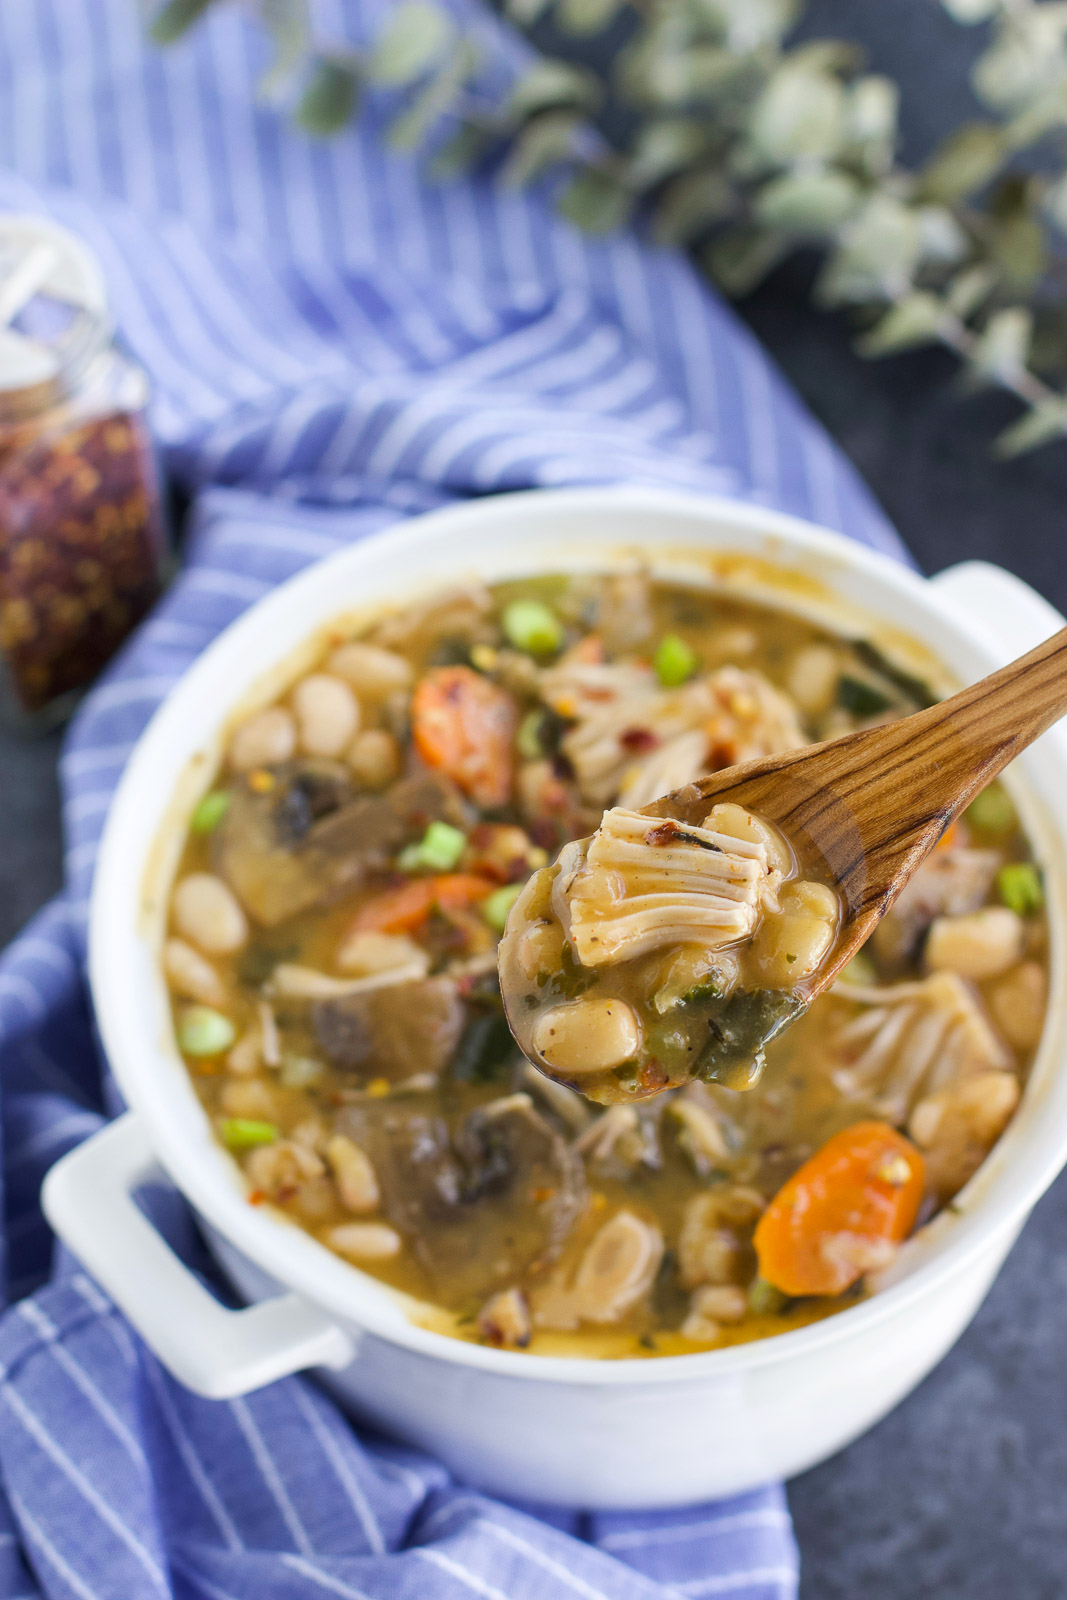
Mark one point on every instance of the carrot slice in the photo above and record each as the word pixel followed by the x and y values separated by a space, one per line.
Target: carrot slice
pixel 465 725
pixel 842 1213
pixel 404 909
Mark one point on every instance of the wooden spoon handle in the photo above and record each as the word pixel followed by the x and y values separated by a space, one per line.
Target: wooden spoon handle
pixel 987 725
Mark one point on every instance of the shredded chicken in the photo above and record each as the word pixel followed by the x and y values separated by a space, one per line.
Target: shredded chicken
pixel 634 740
pixel 644 884
pixel 911 1039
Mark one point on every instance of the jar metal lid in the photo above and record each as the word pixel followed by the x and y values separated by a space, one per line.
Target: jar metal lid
pixel 54 318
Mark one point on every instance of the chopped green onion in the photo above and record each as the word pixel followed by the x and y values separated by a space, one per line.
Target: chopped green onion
pixel 993 812
pixel 243 1133
pixel 495 906
pixel 438 850
pixel 863 699
pixel 531 626
pixel 528 739
pixel 674 661
pixel 210 812
pixel 1020 888
pixel 204 1032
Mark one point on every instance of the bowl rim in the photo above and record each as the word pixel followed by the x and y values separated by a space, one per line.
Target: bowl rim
pixel 302 1264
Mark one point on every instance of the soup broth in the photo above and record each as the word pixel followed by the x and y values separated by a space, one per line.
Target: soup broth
pixel 332 959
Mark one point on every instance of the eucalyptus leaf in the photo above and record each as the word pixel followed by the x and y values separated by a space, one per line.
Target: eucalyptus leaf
pixel 462 150
pixel 876 256
pixel 917 319
pixel 742 257
pixel 1054 202
pixel 329 99
pixel 968 11
pixel 543 142
pixel 1038 426
pixel 436 97
pixel 552 83
pixel 691 204
pixel 967 160
pixel 871 108
pixel 1025 61
pixel 1003 346
pixel 807 203
pixel 1015 237
pixel 664 147
pixel 799 114
pixel 585 16
pixel 414 40
pixel 941 237
pixel 287 23
pixel 595 201
pixel 526 12
pixel 967 291
pixel 175 18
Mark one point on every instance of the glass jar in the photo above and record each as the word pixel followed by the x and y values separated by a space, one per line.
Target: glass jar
pixel 82 536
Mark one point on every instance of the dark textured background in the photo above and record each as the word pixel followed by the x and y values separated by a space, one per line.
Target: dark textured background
pixel 960 1493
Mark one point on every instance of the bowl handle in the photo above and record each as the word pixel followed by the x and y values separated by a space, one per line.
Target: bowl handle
pixel 1011 614
pixel 88 1199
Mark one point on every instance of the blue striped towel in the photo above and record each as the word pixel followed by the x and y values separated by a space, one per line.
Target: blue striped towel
pixel 334 345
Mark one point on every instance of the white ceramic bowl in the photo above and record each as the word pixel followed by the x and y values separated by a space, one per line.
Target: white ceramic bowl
pixel 581 1433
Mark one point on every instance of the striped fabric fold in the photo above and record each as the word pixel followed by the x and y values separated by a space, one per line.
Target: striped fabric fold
pixel 334 344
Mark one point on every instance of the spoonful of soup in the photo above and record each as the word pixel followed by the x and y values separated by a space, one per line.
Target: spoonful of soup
pixel 680 938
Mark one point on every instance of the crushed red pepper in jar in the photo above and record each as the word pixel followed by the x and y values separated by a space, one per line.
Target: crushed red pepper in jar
pixel 81 530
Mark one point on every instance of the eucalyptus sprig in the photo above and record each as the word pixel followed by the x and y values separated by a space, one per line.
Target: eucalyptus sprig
pixel 732 139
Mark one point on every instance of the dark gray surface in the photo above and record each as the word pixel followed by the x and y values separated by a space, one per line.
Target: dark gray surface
pixel 961 1494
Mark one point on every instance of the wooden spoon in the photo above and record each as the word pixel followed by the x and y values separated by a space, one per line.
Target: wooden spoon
pixel 861 812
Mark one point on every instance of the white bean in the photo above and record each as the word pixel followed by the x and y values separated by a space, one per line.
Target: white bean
pixel 206 913
pixel 374 757
pixel 372 672
pixel 327 714
pixel 588 1035
pixel 792 944
pixel 1017 1001
pixel 983 944
pixel 363 953
pixel 264 740
pixel 812 678
pixel 364 1241
pixel 190 975
pixel 357 1183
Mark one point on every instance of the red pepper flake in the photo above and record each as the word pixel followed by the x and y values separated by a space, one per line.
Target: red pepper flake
pixel 81 538
pixel 664 832
pixel 638 741
pixel 256 1197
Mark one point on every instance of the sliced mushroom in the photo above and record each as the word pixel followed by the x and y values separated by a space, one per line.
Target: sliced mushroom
pixel 391 1030
pixel 482 1207
pixel 308 838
